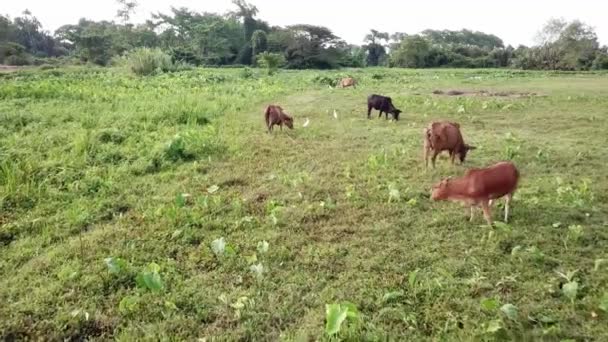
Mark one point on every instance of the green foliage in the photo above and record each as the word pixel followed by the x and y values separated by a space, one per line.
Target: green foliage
pixel 604 302
pixel 510 311
pixel 144 61
pixel 149 278
pixel 336 314
pixel 413 52
pixel 128 304
pixel 116 265
pixel 489 304
pixel 270 61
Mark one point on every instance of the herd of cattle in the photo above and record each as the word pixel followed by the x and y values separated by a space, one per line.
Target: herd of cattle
pixel 477 188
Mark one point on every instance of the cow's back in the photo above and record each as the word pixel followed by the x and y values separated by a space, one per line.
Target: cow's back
pixel 494 181
pixel 347 82
pixel 273 114
pixel 444 135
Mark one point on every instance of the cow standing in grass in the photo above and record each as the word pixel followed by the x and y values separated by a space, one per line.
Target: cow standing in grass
pixel 444 136
pixel 479 187
pixel 383 104
pixel 274 115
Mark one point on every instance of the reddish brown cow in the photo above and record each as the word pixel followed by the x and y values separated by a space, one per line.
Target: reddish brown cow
pixel 479 187
pixel 348 82
pixel 444 136
pixel 274 115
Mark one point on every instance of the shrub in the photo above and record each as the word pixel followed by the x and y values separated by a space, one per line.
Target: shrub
pixel 18 60
pixel 145 61
pixel 600 62
pixel 270 61
pixel 325 80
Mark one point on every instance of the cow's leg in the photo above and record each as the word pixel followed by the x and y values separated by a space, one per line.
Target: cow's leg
pixel 281 126
pixel 426 156
pixel 434 157
pixel 487 214
pixel 507 202
pixel 452 156
pixel 380 113
pixel 472 209
pixel 369 111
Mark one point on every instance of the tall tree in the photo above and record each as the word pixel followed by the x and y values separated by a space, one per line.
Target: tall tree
pixel 126 10
pixel 375 47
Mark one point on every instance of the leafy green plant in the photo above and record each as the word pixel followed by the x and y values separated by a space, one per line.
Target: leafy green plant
pixel 336 314
pixel 510 311
pixel 146 61
pixel 115 265
pixel 258 270
pixel 149 278
pixel 604 302
pixel 575 232
pixel 577 195
pixel 263 247
pixel 270 61
pixel 570 288
pixel 128 304
pixel 489 304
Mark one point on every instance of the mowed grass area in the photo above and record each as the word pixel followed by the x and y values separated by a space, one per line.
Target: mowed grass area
pixel 114 188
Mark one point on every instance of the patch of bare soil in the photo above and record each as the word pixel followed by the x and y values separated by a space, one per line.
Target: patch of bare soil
pixel 456 92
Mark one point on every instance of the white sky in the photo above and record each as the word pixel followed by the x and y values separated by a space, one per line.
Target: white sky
pixel 515 21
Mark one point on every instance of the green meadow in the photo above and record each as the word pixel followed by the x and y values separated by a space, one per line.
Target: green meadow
pixel 159 208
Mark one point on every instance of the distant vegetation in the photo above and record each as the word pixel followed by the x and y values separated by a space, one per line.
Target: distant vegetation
pixel 237 37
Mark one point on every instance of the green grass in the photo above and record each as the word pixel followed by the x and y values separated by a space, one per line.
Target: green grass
pixel 113 189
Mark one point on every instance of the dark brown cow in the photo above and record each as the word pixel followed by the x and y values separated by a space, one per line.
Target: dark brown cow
pixel 479 187
pixel 383 104
pixel 274 115
pixel 444 136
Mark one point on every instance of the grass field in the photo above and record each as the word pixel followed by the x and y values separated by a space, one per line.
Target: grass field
pixel 159 208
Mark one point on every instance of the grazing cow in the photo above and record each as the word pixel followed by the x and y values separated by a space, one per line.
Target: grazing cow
pixel 274 115
pixel 348 82
pixel 383 104
pixel 479 187
pixel 444 136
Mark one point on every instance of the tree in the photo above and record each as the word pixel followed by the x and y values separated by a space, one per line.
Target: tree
pixel 259 42
pixel 412 53
pixel 564 45
pixel 211 38
pixel 126 10
pixel 375 49
pixel 312 47
pixel 247 12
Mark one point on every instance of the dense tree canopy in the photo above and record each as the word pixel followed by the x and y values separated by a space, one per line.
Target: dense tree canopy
pixel 237 37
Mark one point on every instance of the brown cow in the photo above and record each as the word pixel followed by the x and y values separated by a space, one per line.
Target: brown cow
pixel 479 187
pixel 348 82
pixel 444 136
pixel 274 115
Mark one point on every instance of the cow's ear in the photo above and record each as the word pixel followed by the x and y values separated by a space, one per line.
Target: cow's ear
pixel 471 148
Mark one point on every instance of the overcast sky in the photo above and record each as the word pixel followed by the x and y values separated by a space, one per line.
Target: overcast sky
pixel 515 21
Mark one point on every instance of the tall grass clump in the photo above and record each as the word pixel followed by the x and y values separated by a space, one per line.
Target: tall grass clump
pixel 145 61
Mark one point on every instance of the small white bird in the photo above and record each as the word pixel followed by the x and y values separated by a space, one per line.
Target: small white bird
pixel 306 123
pixel 335 114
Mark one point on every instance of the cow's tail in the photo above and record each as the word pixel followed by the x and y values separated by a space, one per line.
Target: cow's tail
pixel 267 116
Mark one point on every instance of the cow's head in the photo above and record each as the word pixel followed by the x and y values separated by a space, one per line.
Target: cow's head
pixel 288 120
pixel 462 154
pixel 440 191
pixel 396 113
